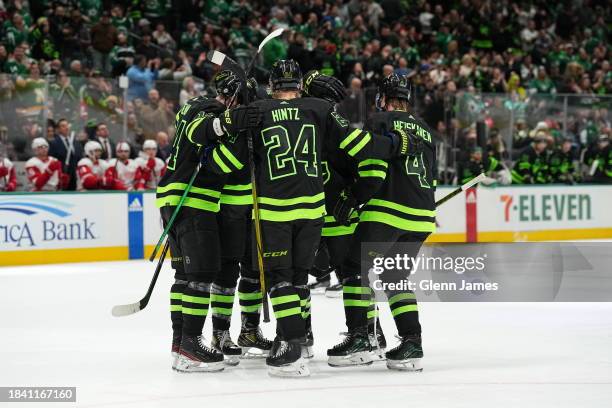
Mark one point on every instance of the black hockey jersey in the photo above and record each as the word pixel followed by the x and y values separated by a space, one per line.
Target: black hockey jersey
pixel 288 152
pixel 405 199
pixel 190 137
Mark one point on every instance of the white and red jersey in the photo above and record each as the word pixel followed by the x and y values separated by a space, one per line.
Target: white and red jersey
pixel 90 174
pixel 44 175
pixel 121 174
pixel 8 178
pixel 150 172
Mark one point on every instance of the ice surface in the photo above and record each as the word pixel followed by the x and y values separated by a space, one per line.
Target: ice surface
pixel 57 330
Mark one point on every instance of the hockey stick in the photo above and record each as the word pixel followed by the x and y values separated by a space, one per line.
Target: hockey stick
pixel 131 308
pixel 223 61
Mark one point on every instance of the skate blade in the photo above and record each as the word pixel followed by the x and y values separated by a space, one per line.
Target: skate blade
pixel 378 355
pixel 186 365
pixel 175 357
pixel 333 294
pixel 410 364
pixel 231 360
pixel 356 359
pixel 254 353
pixel 317 291
pixel 307 352
pixel 293 370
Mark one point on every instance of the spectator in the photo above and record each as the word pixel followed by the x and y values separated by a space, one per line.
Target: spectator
pixel 164 148
pixel 188 90
pixel 16 31
pixel 156 115
pixel 67 150
pixel 102 136
pixel 147 48
pixel 44 172
pixel 17 63
pixel 103 38
pixel 141 78
pixel 91 168
pixel 122 55
pixel 163 39
pixel 8 178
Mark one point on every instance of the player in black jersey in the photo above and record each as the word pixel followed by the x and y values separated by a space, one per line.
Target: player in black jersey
pixel 288 150
pixel 194 238
pixel 401 210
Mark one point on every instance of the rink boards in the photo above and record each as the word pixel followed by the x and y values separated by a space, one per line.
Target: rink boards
pixel 103 226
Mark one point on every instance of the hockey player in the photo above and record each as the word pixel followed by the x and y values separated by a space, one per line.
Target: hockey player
pixel 8 179
pixel 288 149
pixel 150 168
pixel 477 164
pixel 121 173
pixel 561 164
pixel 91 169
pixel 194 236
pixel 235 229
pixel 532 164
pixel 44 172
pixel 400 210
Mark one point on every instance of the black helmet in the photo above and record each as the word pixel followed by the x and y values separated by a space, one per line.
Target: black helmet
pixel 285 75
pixel 226 83
pixel 395 86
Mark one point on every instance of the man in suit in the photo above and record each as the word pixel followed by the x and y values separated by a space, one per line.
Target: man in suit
pixel 102 136
pixel 67 149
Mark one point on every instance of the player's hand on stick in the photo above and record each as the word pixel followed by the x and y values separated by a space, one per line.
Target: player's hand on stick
pixel 345 207
pixel 241 118
pixel 406 143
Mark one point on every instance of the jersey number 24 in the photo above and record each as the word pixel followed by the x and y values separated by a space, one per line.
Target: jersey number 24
pixel 283 158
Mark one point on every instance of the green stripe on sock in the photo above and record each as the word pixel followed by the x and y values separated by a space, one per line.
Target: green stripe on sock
pixel 194 312
pixel 404 309
pixel 356 303
pixel 249 296
pixel 284 299
pixel 196 299
pixel 176 308
pixel 288 312
pixel 176 296
pixel 250 308
pixel 401 296
pixel 214 297
pixel 372 314
pixel 222 310
pixel 358 290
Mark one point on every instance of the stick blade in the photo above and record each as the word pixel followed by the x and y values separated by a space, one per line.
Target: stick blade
pixel 217 57
pixel 270 36
pixel 126 310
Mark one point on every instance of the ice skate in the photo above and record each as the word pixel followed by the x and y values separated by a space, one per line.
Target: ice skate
pixel 307 344
pixel 287 360
pixel 407 355
pixel 176 345
pixel 253 343
pixel 334 291
pixel 354 350
pixel 222 342
pixel 195 356
pixel 319 286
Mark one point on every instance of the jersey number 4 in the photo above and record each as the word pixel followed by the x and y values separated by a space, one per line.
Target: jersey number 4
pixel 282 157
pixel 416 166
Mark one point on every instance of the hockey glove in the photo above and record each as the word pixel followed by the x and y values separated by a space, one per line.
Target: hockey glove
pixel 323 86
pixel 406 143
pixel 345 206
pixel 233 121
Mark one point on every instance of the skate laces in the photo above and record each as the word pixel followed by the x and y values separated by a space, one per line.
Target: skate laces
pixel 202 344
pixel 282 349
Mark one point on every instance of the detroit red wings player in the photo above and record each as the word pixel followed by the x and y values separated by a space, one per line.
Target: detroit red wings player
pixel 8 178
pixel 121 173
pixel 91 169
pixel 44 171
pixel 151 168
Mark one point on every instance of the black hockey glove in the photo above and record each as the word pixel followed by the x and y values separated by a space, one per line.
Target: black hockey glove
pixel 241 118
pixel 406 143
pixel 344 208
pixel 323 86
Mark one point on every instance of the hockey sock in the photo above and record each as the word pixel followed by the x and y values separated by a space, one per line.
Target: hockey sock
pixel 221 302
pixel 249 296
pixel 195 302
pixel 404 309
pixel 176 294
pixel 357 300
pixel 304 294
pixel 287 310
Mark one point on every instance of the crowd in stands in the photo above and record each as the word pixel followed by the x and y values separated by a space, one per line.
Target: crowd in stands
pixel 63 59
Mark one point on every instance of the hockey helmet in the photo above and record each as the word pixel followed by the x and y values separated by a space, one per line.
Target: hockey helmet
pixel 91 147
pixel 286 75
pixel 226 83
pixel 395 86
pixel 39 142
pixel 122 147
pixel 149 144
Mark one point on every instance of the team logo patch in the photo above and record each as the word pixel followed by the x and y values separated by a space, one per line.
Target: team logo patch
pixel 341 121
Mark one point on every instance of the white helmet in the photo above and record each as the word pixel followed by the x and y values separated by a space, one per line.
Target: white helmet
pixel 122 146
pixel 39 142
pixel 92 146
pixel 149 144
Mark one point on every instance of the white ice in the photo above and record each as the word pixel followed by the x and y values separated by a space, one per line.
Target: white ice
pixel 57 330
